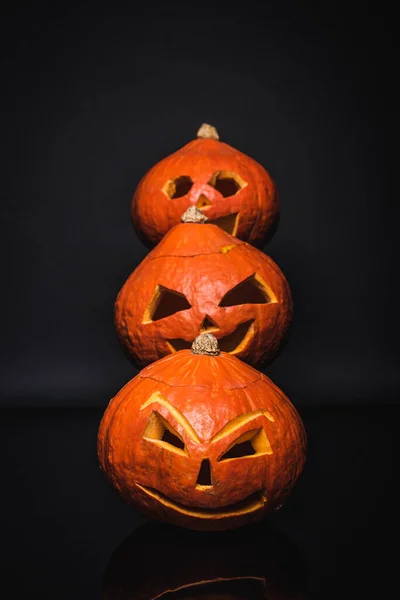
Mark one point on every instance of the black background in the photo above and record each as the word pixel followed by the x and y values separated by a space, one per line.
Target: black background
pixel 91 98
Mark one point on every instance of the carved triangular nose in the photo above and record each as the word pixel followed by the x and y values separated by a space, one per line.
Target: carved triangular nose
pixel 204 477
pixel 202 201
pixel 208 324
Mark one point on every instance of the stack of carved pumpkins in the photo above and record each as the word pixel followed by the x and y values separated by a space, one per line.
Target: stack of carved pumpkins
pixel 200 438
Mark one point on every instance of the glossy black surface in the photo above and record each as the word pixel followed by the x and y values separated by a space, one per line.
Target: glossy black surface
pixel 65 534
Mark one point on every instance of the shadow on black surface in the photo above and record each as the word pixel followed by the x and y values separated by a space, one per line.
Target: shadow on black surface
pixel 161 561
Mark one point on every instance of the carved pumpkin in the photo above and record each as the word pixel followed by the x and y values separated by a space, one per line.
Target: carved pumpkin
pixel 164 562
pixel 234 190
pixel 202 440
pixel 201 279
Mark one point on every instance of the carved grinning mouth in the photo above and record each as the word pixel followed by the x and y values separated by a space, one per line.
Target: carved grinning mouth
pixel 248 505
pixel 232 343
pixel 237 340
pixel 228 223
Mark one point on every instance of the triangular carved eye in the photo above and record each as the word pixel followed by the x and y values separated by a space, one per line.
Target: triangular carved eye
pixel 159 430
pixel 164 303
pixel 249 291
pixel 238 450
pixel 248 444
pixel 227 183
pixel 178 187
pixel 172 439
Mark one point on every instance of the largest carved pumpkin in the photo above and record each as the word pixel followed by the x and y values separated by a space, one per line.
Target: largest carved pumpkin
pixel 234 190
pixel 202 440
pixel 201 279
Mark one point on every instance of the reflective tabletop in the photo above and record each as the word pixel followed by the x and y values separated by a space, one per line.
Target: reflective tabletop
pixel 66 533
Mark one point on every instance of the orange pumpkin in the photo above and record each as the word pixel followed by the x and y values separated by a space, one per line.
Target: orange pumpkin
pixel 159 561
pixel 201 279
pixel 202 440
pixel 233 189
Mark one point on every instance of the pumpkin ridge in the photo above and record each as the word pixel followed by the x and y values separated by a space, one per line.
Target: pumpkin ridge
pixel 243 387
pixel 157 364
pixel 163 361
pixel 250 401
pixel 188 255
pixel 238 368
pixel 237 371
pixel 173 385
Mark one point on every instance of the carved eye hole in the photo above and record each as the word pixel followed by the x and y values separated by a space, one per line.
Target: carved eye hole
pixel 238 450
pixel 249 291
pixel 178 187
pixel 164 303
pixel 172 439
pixel 251 442
pixel 159 430
pixel 227 183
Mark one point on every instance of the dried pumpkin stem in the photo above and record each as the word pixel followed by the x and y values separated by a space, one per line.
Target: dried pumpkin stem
pixel 206 343
pixel 193 215
pixel 208 132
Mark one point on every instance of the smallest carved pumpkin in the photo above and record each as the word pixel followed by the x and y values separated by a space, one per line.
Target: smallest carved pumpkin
pixel 234 190
pixel 202 440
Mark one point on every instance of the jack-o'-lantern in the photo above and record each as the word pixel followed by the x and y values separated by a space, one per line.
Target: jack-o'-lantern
pixel 160 561
pixel 201 279
pixel 202 440
pixel 234 190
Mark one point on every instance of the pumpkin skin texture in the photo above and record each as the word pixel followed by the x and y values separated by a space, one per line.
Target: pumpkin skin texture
pixel 202 441
pixel 233 190
pixel 201 279
pixel 200 565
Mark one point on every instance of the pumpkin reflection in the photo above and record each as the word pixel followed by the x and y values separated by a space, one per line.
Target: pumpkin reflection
pixel 242 589
pixel 161 562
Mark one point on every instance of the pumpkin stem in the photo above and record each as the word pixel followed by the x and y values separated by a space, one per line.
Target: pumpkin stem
pixel 193 215
pixel 206 343
pixel 208 132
